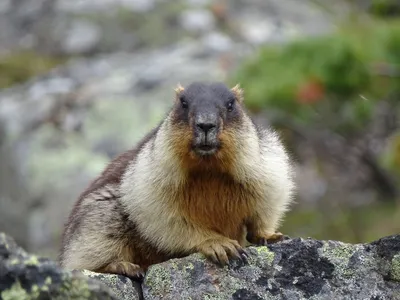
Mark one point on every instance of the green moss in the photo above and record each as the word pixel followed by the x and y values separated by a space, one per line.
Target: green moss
pixel 339 255
pixel 20 66
pixel 109 279
pixel 265 254
pixel 29 261
pixel 14 261
pixel 73 286
pixel 121 290
pixel 16 292
pixel 159 280
pixel 395 271
pixel 228 286
pixel 214 297
pixel 48 280
pixel 32 261
pixel 189 266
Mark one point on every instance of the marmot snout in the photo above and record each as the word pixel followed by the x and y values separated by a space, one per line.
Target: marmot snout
pixel 206 179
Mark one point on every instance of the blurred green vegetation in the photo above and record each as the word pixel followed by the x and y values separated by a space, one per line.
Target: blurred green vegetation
pixel 333 82
pixel 18 67
pixel 385 8
pixel 319 78
pixel 347 224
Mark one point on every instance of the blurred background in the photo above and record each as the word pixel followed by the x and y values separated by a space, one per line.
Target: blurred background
pixel 82 81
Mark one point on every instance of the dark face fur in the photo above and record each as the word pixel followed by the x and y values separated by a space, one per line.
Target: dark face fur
pixel 207 109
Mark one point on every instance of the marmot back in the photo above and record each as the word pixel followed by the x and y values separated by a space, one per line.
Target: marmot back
pixel 206 179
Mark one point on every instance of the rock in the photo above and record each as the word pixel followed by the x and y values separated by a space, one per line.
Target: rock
pixel 199 3
pixel 218 42
pixel 258 31
pixel 25 276
pixel 291 269
pixel 82 37
pixel 197 20
pixel 139 5
pixel 101 6
pixel 13 192
pixel 73 27
pixel 122 286
pixel 278 21
pixel 5 6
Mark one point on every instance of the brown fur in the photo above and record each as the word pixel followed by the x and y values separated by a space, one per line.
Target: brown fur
pixel 207 197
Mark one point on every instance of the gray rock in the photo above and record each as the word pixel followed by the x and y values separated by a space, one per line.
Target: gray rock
pixel 5 6
pixel 13 193
pixel 292 269
pixel 122 286
pixel 139 5
pixel 198 3
pixel 277 21
pixel 25 276
pixel 82 37
pixel 217 42
pixel 197 20
pixel 101 6
pixel 258 31
pixel 77 27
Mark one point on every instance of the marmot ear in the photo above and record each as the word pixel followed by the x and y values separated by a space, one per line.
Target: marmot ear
pixel 238 91
pixel 179 89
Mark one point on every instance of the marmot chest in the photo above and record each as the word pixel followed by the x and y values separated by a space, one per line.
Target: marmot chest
pixel 216 202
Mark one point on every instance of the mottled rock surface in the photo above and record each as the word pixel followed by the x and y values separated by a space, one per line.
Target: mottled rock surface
pixel 96 26
pixel 24 276
pixel 123 287
pixel 292 269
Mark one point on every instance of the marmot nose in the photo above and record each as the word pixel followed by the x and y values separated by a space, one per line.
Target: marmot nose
pixel 206 126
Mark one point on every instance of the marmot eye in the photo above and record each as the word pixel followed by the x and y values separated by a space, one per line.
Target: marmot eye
pixel 184 104
pixel 230 105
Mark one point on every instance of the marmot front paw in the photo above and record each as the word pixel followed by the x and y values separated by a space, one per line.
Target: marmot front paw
pixel 222 250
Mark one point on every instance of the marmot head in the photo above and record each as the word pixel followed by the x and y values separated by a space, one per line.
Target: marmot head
pixel 209 114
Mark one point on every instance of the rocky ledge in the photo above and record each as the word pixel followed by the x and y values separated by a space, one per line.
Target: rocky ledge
pixel 292 269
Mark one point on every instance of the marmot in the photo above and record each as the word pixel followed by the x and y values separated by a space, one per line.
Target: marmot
pixel 206 179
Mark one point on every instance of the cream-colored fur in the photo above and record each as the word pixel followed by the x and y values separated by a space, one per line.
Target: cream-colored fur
pixel 150 183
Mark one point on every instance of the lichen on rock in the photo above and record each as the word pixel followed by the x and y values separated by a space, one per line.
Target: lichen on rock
pixel 291 269
pixel 24 276
pixel 395 271
pixel 123 287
